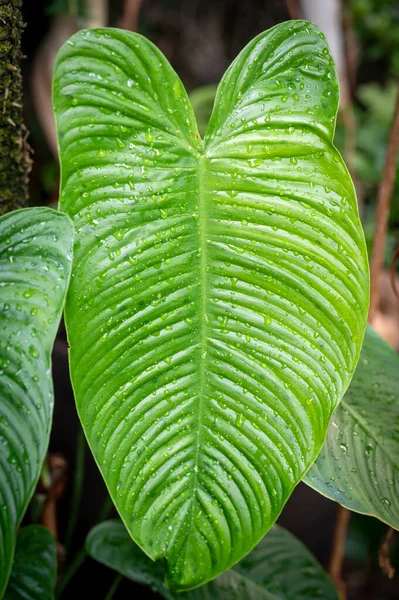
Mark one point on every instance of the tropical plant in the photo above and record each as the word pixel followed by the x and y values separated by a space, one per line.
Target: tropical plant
pixel 215 316
pixel 220 287
pixel 376 23
pixel 35 266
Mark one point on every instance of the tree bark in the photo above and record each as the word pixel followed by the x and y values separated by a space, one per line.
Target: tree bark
pixel 15 161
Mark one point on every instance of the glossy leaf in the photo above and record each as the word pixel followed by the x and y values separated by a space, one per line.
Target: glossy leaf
pixel 34 569
pixel 35 265
pixel 220 287
pixel 359 463
pixel 283 565
pixel 110 544
pixel 279 568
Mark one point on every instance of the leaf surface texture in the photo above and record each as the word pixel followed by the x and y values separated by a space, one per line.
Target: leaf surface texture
pixel 35 265
pixel 34 569
pixel 220 286
pixel 359 462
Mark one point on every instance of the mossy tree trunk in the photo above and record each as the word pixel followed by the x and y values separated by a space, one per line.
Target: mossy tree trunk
pixel 15 159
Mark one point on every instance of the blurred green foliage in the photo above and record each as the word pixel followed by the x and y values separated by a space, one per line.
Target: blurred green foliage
pixel 76 8
pixel 377 27
pixel 374 117
pixel 373 124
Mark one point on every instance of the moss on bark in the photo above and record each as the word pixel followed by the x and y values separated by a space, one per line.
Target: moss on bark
pixel 15 162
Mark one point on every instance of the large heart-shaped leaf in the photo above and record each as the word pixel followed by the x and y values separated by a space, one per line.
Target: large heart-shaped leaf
pixel 220 288
pixel 359 462
pixel 34 570
pixel 279 568
pixel 35 265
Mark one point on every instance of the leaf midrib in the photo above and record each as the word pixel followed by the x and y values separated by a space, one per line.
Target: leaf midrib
pixel 203 345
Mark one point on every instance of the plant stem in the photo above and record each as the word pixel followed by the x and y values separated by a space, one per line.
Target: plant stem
pixel 70 571
pixel 337 555
pixel 80 557
pixel 392 273
pixel 114 587
pixel 383 207
pixel 383 555
pixel 293 9
pixel 77 489
pixel 131 10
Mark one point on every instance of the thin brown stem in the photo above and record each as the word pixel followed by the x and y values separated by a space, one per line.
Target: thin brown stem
pixel 392 273
pixel 293 9
pixel 58 477
pixel 349 122
pixel 337 556
pixel 384 554
pixel 130 17
pixel 382 215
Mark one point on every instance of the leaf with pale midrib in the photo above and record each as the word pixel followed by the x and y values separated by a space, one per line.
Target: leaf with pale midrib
pixel 279 568
pixel 35 264
pixel 359 462
pixel 220 287
pixel 34 570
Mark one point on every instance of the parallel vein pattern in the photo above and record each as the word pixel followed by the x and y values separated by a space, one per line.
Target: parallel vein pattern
pixel 34 570
pixel 359 462
pixel 281 564
pixel 35 265
pixel 219 294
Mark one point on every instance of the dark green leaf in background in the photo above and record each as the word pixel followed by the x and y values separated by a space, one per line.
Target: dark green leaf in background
pixel 359 463
pixel 220 287
pixel 110 544
pixel 279 568
pixel 35 264
pixel 34 570
pixel 281 564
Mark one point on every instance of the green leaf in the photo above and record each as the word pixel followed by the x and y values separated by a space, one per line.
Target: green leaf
pixel 35 265
pixel 110 544
pixel 220 287
pixel 283 565
pixel 34 569
pixel 279 568
pixel 229 585
pixel 359 463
